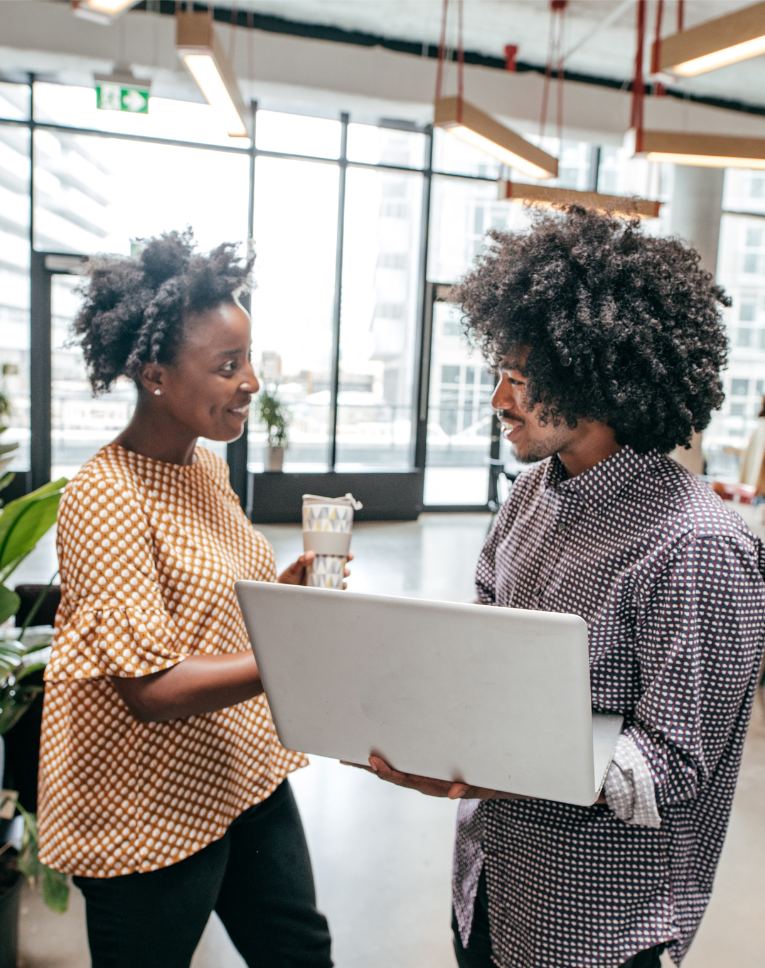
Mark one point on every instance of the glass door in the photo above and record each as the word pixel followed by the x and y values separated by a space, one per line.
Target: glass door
pixel 80 423
pixel 459 428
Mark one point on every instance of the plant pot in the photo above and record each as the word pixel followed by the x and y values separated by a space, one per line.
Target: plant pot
pixel 274 458
pixel 10 900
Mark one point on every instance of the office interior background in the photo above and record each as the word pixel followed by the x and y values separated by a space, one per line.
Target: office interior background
pixel 361 214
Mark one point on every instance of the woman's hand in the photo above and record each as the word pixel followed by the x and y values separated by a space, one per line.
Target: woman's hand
pixel 297 572
pixel 431 787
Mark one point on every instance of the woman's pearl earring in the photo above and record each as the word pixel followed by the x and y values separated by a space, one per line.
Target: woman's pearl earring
pixel 157 392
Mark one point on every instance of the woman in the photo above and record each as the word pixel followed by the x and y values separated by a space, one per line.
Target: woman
pixel 162 783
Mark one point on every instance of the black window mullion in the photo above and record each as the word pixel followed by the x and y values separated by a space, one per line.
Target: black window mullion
pixel 236 451
pixel 424 323
pixel 337 309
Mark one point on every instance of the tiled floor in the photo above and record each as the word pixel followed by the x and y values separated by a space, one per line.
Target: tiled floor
pixel 382 855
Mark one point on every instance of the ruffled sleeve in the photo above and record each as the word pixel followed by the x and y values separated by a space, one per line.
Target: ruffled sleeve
pixel 113 619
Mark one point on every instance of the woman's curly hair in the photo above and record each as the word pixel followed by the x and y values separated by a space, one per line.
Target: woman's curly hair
pixel 622 327
pixel 135 309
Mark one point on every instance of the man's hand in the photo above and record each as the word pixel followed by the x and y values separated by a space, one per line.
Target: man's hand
pixel 431 787
pixel 297 572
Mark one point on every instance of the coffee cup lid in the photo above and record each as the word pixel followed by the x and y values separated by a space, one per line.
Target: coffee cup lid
pixel 348 500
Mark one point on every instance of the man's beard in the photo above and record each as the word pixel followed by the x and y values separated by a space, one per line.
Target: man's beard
pixel 540 449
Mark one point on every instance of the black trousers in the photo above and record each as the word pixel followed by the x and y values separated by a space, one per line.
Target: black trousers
pixel 478 951
pixel 257 877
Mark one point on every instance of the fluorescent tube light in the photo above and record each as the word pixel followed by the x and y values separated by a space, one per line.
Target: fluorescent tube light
pixel 735 37
pixel 703 150
pixel 481 130
pixel 547 196
pixel 200 50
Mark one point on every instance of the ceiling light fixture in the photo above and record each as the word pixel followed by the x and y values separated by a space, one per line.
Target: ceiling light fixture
pixel 101 11
pixel 735 37
pixel 470 124
pixel 547 196
pixel 703 150
pixel 481 130
pixel 202 53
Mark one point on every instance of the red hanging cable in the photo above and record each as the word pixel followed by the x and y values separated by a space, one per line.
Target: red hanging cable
pixel 656 49
pixel 546 82
pixel 460 63
pixel 638 85
pixel 680 16
pixel 555 55
pixel 441 50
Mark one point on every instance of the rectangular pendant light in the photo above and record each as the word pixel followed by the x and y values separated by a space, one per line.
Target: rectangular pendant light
pixel 202 53
pixel 735 37
pixel 703 150
pixel 482 131
pixel 546 196
pixel 101 11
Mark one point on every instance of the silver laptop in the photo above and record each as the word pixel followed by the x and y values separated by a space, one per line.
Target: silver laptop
pixel 494 697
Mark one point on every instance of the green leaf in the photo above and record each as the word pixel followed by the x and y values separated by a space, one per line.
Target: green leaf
pixel 5 480
pixel 13 511
pixel 54 887
pixel 9 603
pixel 7 448
pixel 28 526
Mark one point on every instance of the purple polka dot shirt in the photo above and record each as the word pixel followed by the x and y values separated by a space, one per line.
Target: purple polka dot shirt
pixel 671 585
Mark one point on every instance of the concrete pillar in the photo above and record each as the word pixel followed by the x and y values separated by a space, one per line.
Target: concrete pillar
pixel 695 217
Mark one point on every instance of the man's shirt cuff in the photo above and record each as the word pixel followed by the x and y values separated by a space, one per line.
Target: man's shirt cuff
pixel 629 788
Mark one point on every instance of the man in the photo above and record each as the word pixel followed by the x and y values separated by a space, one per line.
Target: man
pixel 608 345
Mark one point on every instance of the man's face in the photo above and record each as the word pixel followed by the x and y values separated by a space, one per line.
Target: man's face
pixel 531 439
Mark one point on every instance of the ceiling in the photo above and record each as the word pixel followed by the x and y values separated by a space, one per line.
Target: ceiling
pixel 489 25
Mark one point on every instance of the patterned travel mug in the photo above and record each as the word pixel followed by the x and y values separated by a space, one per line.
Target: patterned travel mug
pixel 327 527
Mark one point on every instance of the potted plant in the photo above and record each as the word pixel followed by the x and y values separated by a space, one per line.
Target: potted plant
pixel 276 418
pixel 23 652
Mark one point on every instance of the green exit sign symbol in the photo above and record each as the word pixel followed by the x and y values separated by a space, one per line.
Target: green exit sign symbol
pixel 117 97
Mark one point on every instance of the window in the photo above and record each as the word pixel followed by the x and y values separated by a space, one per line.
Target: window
pixel 82 205
pixel 747 312
pixel 390 310
pixel 297 135
pixel 751 263
pixel 14 101
pixel 392 260
pixel 739 388
pixel 378 320
pixel 14 280
pixel 753 237
pixel 86 159
pixel 453 220
pixel 292 305
pixel 744 336
pixel 386 146
pixel 394 210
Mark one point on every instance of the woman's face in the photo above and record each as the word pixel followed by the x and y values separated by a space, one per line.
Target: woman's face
pixel 207 389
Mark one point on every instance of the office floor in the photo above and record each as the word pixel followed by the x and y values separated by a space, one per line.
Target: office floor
pixel 381 855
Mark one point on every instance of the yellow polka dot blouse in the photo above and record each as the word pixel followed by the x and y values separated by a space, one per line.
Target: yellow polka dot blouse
pixel 148 554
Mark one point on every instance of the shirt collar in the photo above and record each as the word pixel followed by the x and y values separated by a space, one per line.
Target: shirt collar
pixel 601 484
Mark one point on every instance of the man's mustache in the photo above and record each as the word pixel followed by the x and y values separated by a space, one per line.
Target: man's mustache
pixel 506 415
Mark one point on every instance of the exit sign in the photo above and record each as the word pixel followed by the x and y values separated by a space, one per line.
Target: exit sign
pixel 112 96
